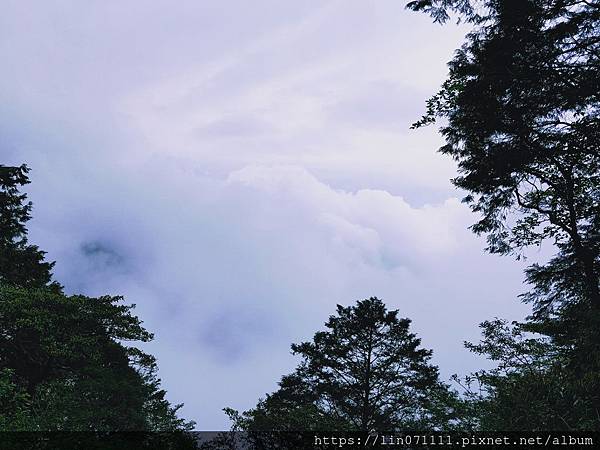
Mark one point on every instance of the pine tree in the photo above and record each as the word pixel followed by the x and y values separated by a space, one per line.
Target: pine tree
pixel 21 264
pixel 366 371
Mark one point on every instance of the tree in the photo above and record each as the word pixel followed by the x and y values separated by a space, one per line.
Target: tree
pixel 366 371
pixel 21 263
pixel 532 387
pixel 522 104
pixel 64 364
pixel 521 109
pixel 66 354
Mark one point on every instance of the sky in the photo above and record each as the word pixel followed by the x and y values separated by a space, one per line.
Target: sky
pixel 236 169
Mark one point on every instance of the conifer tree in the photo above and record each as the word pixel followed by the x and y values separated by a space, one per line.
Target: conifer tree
pixel 520 113
pixel 21 263
pixel 366 371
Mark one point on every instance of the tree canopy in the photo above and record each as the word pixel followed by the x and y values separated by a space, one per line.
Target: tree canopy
pixel 533 386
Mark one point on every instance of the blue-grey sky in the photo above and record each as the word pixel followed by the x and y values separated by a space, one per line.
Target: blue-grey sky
pixel 236 169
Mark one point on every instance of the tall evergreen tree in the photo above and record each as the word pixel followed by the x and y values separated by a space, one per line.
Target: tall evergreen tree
pixel 21 263
pixel 521 116
pixel 366 371
pixel 522 104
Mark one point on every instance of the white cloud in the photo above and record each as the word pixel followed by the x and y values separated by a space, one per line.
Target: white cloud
pixel 372 222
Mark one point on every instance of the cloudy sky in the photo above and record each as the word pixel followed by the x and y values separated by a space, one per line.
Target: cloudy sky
pixel 236 169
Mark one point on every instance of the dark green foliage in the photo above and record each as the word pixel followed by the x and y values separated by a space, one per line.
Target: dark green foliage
pixel 534 386
pixel 15 414
pixel 21 263
pixel 366 371
pixel 521 116
pixel 64 364
pixel 65 356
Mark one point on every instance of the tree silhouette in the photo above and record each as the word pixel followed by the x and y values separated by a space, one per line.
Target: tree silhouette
pixel 366 371
pixel 21 263
pixel 521 111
